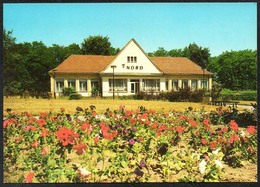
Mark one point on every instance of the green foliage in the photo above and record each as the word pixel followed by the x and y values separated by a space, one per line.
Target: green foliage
pixel 235 70
pixel 173 146
pixel 75 96
pixel 96 45
pixel 197 54
pixel 160 52
pixel 68 91
pixel 242 95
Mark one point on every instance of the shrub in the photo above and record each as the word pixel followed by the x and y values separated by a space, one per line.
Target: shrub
pixel 197 96
pixel 75 96
pixel 245 95
pixel 68 91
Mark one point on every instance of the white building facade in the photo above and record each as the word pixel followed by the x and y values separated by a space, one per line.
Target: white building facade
pixel 129 72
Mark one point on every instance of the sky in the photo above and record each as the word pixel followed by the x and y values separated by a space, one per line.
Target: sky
pixel 218 26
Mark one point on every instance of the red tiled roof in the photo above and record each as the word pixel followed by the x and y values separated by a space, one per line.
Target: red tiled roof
pixel 84 64
pixel 96 63
pixel 177 65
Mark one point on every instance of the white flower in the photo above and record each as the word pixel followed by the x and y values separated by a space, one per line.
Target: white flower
pixel 202 166
pixel 216 151
pixel 218 163
pixel 242 133
pixel 83 172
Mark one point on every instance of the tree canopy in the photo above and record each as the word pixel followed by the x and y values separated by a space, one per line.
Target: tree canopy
pixel 236 70
pixel 96 45
pixel 26 65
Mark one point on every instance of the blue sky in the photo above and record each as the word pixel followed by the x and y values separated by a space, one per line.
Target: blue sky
pixel 218 26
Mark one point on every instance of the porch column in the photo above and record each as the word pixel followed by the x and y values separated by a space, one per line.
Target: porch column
pixel 169 85
pixel 77 85
pixel 199 84
pixel 179 84
pixel 66 82
pixel 210 83
pixel 89 87
pixel 52 85
pixel 189 83
pixel 141 85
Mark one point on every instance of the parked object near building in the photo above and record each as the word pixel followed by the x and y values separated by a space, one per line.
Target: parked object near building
pixel 133 71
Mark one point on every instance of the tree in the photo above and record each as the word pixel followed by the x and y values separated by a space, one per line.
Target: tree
pixel 176 53
pixel 236 69
pixel 72 49
pixel 160 52
pixel 197 54
pixel 114 51
pixel 96 45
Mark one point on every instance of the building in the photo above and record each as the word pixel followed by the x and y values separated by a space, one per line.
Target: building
pixel 131 71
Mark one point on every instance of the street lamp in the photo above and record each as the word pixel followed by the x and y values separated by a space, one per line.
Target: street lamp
pixel 53 72
pixel 203 78
pixel 113 67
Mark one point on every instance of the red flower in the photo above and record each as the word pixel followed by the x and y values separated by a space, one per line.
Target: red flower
pixel 220 133
pixel 250 148
pixel 41 122
pixel 94 114
pixel 29 127
pixel 212 145
pixel 44 151
pixel 80 148
pixel 132 121
pixel 87 126
pixel 179 129
pixel 62 109
pixel 9 122
pixel 203 141
pixel 233 125
pixel 251 129
pixel 193 123
pixel 29 177
pixel 35 144
pixel 96 140
pixel 44 133
pixel 154 125
pixel 225 129
pixel 43 115
pixel 66 136
pixel 233 138
pixel 206 122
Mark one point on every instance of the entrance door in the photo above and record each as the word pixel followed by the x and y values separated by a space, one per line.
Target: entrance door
pixel 135 86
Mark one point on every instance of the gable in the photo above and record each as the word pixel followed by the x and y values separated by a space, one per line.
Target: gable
pixel 132 60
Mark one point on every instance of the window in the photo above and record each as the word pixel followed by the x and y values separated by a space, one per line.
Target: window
pixel 120 84
pixel 82 85
pixel 152 85
pixel 194 84
pixel 131 59
pixel 204 84
pixel 72 83
pixel 59 84
pixel 175 84
pixel 184 83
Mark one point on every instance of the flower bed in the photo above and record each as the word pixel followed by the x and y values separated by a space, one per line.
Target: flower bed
pixel 123 146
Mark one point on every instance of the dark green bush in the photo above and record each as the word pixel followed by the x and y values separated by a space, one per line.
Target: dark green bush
pixel 75 96
pixel 196 96
pixel 68 91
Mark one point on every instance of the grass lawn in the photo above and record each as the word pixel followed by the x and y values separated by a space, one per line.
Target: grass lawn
pixel 35 106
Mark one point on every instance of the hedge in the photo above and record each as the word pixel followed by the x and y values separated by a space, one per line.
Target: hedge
pixel 245 95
